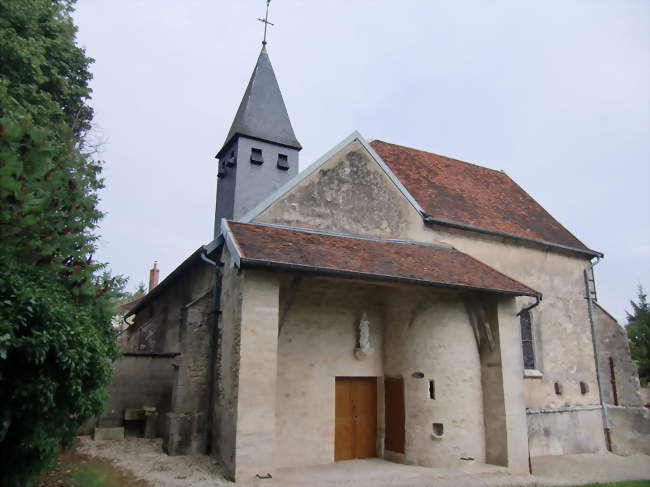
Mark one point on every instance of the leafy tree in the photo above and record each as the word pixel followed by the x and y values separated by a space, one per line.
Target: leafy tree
pixel 141 290
pixel 56 342
pixel 638 332
pixel 43 73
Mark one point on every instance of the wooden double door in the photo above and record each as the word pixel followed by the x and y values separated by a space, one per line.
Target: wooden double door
pixel 356 418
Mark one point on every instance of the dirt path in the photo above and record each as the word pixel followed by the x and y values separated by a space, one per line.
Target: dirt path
pixel 145 459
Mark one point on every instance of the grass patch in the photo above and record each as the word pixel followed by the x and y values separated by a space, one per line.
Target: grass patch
pixel 627 483
pixel 74 470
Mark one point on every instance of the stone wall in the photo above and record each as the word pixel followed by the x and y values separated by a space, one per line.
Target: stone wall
pixel 245 406
pixel 630 429
pixel 615 350
pixel 567 431
pixel 227 367
pixel 178 322
pixel 429 333
pixel 318 335
pixel 138 381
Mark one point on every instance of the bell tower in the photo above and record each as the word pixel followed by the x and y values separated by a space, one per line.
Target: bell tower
pixel 260 153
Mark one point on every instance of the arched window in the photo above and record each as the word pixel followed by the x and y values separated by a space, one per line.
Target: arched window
pixel 527 339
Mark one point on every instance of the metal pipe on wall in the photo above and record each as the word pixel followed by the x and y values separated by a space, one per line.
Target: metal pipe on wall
pixel 214 343
pixel 596 343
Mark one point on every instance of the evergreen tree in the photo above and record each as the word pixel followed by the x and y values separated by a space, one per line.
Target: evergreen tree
pixel 638 332
pixel 56 340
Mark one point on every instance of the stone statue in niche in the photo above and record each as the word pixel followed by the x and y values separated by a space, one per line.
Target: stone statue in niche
pixel 363 348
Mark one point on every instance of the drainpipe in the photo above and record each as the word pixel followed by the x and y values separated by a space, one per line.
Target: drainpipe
pixel 596 342
pixel 538 299
pixel 214 343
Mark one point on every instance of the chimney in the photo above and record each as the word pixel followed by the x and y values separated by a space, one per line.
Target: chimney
pixel 153 276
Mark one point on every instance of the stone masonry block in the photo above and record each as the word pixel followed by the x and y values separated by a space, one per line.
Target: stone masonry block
pixel 178 440
pixel 108 433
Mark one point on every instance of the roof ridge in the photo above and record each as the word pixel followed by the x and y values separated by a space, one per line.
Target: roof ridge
pixel 498 171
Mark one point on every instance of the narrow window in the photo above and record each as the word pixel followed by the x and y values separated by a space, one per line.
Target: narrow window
pixel 221 171
pixel 283 162
pixel 256 156
pixel 432 389
pixel 527 341
pixel 231 159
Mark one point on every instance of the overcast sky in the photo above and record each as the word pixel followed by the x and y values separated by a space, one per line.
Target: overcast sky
pixel 556 93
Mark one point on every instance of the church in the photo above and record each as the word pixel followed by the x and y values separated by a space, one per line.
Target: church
pixel 384 302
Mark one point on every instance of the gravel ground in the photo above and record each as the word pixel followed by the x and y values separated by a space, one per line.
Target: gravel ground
pixel 145 459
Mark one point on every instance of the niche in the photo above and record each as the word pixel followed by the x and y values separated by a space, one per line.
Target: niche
pixel 584 388
pixel 438 431
pixel 432 389
pixel 558 388
pixel 417 375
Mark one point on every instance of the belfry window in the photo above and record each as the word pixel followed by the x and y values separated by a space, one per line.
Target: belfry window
pixel 283 162
pixel 221 171
pixel 231 161
pixel 527 339
pixel 256 156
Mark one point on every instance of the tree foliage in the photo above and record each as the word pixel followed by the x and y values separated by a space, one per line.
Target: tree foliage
pixel 43 74
pixel 56 302
pixel 638 332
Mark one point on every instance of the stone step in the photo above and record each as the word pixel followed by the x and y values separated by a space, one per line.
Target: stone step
pixel 116 433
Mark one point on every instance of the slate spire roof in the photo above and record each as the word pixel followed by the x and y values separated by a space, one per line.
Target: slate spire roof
pixel 262 113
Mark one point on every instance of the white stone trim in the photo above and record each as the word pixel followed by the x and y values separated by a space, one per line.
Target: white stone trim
pixel 567 409
pixel 231 243
pixel 532 374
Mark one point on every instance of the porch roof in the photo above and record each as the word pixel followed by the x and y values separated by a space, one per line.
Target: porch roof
pixel 315 250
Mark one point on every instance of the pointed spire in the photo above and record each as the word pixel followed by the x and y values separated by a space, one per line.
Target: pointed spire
pixel 262 113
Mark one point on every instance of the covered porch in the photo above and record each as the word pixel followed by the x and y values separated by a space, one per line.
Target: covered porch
pixel 325 358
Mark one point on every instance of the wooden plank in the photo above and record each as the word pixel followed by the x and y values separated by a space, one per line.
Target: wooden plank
pixel 364 410
pixel 395 418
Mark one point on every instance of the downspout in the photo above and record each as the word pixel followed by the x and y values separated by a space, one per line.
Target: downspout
pixel 596 343
pixel 214 343
pixel 538 299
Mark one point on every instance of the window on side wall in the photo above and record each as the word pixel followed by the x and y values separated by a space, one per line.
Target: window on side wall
pixel 527 340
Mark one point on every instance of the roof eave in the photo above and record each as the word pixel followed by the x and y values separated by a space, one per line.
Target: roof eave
pixel 466 226
pixel 194 257
pixel 261 263
pixel 291 145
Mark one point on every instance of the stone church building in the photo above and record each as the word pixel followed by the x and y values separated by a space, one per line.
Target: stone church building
pixel 384 302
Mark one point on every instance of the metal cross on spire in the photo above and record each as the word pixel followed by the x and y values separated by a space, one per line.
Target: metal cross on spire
pixel 266 21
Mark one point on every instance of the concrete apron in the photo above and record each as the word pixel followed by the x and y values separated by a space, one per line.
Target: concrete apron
pixel 557 470
pixel 376 471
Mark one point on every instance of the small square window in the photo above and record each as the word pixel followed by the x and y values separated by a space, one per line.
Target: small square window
pixel 256 156
pixel 283 162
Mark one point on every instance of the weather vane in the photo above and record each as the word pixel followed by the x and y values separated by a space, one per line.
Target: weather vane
pixel 266 21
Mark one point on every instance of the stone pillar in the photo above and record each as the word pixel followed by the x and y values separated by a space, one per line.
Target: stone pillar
pixel 257 375
pixel 506 431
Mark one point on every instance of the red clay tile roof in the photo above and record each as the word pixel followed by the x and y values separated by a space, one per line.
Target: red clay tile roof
pixel 305 249
pixel 461 192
